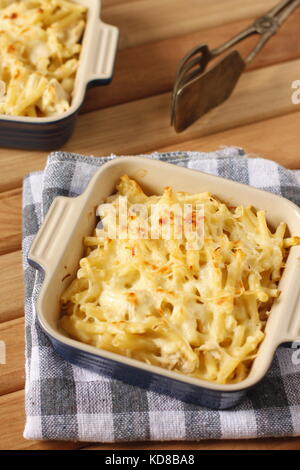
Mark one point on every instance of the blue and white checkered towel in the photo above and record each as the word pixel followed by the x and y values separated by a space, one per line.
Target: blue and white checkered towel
pixel 67 402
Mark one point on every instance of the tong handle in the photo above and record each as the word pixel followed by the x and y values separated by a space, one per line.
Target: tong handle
pixel 269 24
pixel 266 26
pixel 233 41
pixel 283 10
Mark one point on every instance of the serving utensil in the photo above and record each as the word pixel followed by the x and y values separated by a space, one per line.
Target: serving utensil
pixel 197 90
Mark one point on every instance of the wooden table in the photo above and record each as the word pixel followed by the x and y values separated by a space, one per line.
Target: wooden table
pixel 132 116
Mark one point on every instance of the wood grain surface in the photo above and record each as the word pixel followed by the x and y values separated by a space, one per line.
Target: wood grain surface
pixel 131 116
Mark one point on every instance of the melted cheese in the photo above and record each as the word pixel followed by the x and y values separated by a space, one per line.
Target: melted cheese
pixel 200 311
pixel 39 55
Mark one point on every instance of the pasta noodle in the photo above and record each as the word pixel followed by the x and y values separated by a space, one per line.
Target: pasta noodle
pixel 200 312
pixel 39 55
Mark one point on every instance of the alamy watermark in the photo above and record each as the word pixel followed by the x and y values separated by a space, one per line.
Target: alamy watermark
pixel 157 221
pixel 2 352
pixel 296 93
pixel 296 353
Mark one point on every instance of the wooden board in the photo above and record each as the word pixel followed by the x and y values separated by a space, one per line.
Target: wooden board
pixel 11 220
pixel 132 116
pixel 146 21
pixel 12 374
pixel 275 139
pixel 11 286
pixel 144 125
pixel 158 61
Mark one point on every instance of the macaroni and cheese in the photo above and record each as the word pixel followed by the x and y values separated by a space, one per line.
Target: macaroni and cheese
pixel 200 312
pixel 40 43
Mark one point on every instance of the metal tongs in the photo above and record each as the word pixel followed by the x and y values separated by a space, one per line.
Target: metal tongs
pixel 197 91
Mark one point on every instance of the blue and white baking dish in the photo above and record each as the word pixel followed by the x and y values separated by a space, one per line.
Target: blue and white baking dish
pixel 96 65
pixel 58 247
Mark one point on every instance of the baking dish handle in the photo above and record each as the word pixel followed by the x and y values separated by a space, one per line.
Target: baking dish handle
pixel 105 48
pixel 51 240
pixel 288 328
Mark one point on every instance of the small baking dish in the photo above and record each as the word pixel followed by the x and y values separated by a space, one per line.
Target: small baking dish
pixel 58 248
pixel 96 64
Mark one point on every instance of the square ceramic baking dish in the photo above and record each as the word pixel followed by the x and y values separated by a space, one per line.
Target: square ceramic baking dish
pixel 96 64
pixel 58 247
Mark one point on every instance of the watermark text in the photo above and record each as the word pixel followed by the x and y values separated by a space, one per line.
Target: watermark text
pixel 156 222
pixel 296 93
pixel 2 352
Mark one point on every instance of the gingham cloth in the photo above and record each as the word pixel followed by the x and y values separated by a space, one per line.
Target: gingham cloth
pixel 67 402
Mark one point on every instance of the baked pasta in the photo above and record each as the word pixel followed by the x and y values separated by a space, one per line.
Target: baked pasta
pixel 40 43
pixel 200 312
